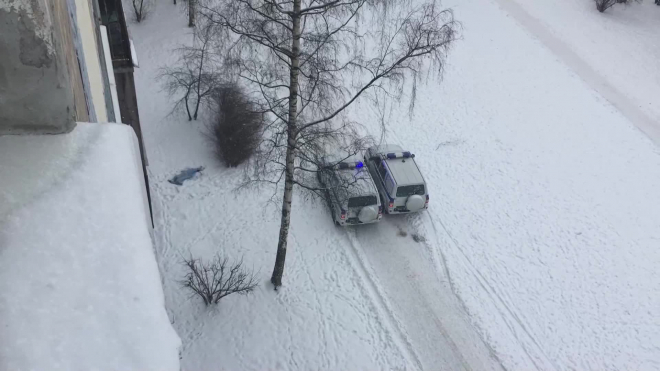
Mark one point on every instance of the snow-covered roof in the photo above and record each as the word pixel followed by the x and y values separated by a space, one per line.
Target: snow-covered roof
pixel 403 167
pixel 357 182
pixel 79 284
pixel 405 171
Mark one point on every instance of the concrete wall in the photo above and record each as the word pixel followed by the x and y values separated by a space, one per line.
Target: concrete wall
pixel 66 33
pixel 88 41
pixel 40 85
pixel 88 54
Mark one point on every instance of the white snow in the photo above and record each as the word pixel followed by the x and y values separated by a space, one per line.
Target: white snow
pixel 539 247
pixel 79 284
pixel 616 53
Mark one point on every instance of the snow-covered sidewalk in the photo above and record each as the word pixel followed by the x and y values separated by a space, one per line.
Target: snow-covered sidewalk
pixel 539 246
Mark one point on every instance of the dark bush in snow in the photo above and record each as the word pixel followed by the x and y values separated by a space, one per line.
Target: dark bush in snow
pixel 218 278
pixel 237 126
pixel 603 5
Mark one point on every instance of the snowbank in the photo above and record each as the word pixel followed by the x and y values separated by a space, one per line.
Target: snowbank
pixel 79 285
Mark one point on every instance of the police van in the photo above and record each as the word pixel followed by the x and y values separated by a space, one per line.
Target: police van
pixel 350 191
pixel 400 183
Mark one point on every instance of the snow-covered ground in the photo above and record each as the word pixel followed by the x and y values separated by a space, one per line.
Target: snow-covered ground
pixel 540 242
pixel 79 283
pixel 616 53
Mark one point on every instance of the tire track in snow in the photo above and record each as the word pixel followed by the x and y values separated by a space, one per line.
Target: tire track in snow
pixel 506 313
pixel 380 302
pixel 440 263
pixel 455 309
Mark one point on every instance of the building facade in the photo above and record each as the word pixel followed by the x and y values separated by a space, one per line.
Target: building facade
pixel 66 61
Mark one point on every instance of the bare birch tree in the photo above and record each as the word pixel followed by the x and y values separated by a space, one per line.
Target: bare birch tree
pixel 308 61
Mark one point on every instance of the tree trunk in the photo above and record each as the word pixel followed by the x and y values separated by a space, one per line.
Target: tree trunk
pixel 187 107
pixel 196 109
pixel 191 13
pixel 199 71
pixel 278 271
pixel 138 14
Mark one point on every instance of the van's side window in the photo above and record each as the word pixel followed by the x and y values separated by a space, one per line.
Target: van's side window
pixel 389 184
pixel 382 170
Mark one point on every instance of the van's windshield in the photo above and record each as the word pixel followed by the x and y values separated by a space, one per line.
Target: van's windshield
pixel 362 201
pixel 405 191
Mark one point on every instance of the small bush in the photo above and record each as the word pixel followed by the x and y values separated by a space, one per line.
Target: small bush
pixel 237 126
pixel 603 5
pixel 218 278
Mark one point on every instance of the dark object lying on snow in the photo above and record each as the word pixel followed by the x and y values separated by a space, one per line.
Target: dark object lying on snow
pixel 185 175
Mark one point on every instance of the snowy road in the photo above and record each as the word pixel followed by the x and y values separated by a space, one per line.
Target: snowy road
pixel 539 249
pixel 415 283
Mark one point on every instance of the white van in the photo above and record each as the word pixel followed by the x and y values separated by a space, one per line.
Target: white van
pixel 350 191
pixel 400 183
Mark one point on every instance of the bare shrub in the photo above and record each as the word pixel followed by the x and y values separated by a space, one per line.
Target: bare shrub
pixel 195 75
pixel 603 5
pixel 141 9
pixel 237 127
pixel 218 278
